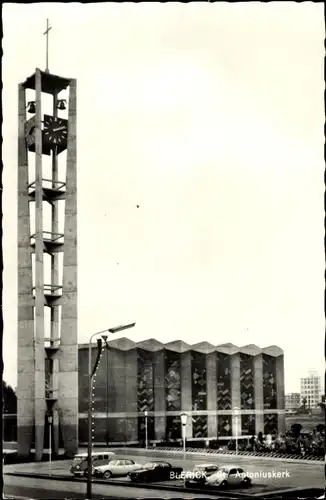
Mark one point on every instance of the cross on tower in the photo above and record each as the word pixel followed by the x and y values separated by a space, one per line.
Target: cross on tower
pixel 46 32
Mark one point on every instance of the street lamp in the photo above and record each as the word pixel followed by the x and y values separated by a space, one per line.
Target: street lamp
pixel 183 418
pixel 91 373
pixel 146 431
pixel 236 415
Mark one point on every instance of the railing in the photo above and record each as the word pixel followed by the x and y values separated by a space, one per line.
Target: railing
pixel 49 237
pixel 51 393
pixel 53 290
pixel 48 184
pixel 51 343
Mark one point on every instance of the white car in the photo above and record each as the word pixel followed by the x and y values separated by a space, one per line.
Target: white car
pixel 116 468
pixel 200 473
pixel 229 476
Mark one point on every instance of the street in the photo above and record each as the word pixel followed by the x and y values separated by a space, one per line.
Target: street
pixel 47 490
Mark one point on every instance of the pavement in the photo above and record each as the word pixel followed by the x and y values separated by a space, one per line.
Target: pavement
pixel 267 475
pixel 224 455
pixel 257 454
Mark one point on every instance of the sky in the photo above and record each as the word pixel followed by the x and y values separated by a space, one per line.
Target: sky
pixel 210 117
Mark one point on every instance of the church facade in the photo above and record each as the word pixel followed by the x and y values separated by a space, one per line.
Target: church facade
pixel 225 391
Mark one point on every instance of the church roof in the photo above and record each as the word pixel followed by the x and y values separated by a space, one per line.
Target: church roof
pixel 50 83
pixel 153 345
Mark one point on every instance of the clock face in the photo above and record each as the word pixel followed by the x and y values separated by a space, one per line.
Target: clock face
pixel 55 130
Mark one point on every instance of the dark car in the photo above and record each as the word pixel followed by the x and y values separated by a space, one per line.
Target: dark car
pixel 155 471
pixel 199 474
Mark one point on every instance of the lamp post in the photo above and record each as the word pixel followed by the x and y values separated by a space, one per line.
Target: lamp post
pixel 236 415
pixel 183 418
pixel 50 444
pixel 91 373
pixel 146 429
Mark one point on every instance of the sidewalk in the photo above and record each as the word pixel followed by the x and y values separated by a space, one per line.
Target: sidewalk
pixel 273 456
pixel 58 467
pixel 193 452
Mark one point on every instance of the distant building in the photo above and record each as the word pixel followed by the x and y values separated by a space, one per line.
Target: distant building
pixel 207 382
pixel 310 390
pixel 292 401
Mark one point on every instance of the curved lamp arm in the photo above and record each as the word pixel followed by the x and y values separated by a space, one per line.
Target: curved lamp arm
pixel 99 350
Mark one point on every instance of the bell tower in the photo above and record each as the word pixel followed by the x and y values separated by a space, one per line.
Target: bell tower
pixel 47 385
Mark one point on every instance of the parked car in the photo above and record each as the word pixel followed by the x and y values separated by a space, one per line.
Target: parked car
pixel 229 476
pixel 116 468
pixel 155 471
pixel 199 474
pixel 79 466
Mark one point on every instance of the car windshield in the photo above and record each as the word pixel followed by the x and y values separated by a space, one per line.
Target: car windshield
pixel 78 460
pixel 149 465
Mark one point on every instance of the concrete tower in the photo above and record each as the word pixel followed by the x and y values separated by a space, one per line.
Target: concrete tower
pixel 47 388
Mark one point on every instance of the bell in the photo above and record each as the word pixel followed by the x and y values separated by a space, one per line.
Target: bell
pixel 31 107
pixel 62 105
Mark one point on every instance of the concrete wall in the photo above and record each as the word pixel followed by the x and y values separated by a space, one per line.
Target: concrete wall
pixel 259 393
pixel 235 390
pixel 68 356
pixel 211 394
pixel 25 316
pixel 39 357
pixel 131 370
pixel 186 389
pixel 122 394
pixel 280 396
pixel 159 393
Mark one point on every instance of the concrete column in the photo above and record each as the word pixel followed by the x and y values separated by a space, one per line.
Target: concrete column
pixel 25 317
pixel 186 390
pixel 55 425
pixel 211 394
pixel 55 422
pixel 110 396
pixel 131 371
pixel 235 392
pixel 68 376
pixel 259 393
pixel 119 383
pixel 55 228
pixel 159 393
pixel 280 398
pixel 39 402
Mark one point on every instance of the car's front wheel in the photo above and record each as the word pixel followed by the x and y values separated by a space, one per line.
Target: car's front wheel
pixel 107 474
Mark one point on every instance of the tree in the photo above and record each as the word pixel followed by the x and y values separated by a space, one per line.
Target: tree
pixel 304 402
pixel 9 399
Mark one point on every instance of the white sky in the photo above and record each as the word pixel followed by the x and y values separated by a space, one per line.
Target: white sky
pixel 210 117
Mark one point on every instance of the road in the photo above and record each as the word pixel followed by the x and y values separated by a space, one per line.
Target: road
pixel 47 489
